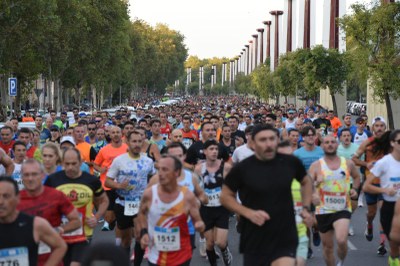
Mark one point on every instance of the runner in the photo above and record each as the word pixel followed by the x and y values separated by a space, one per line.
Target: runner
pixel 21 233
pixel 83 190
pixel 157 138
pixel 187 178
pixel 374 148
pixel 244 151
pixel 102 163
pixel 189 135
pixel 214 215
pixel 164 211
pixel 227 141
pixel 332 177
pixel 128 175
pixel 269 234
pixel 387 170
pixel 284 147
pixel 48 203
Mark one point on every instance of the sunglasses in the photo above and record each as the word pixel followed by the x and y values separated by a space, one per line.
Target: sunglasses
pixel 91 128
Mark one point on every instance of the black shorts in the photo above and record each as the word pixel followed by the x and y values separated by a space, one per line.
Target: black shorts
pixel 112 196
pixel 123 221
pixel 75 252
pixel 326 221
pixel 215 217
pixel 263 259
pixel 387 213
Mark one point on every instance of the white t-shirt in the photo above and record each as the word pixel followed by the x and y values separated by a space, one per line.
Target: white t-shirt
pixel 16 175
pixel 241 153
pixel 387 170
pixel 358 139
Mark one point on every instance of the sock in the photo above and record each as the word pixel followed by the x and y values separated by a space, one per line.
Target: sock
pixel 382 237
pixel 212 257
pixel 139 253
pixel 118 241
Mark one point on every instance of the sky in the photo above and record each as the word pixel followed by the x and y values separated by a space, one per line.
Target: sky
pixel 211 28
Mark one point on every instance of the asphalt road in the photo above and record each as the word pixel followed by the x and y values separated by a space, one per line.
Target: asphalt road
pixel 361 252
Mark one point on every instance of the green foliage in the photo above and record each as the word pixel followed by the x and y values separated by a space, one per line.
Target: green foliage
pixel 87 44
pixel 373 30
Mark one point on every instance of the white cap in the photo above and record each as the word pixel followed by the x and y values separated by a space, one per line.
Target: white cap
pixel 67 139
pixel 378 118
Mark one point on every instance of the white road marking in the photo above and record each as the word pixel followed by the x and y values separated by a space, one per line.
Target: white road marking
pixel 350 245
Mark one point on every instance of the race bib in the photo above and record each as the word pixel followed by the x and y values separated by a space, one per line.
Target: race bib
pixel 18 256
pixel 43 248
pixel 76 232
pixel 213 196
pixel 396 185
pixel 335 201
pixel 131 207
pixel 167 239
pixel 298 207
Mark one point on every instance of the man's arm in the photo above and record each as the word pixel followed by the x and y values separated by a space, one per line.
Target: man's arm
pixel 101 202
pixel 198 191
pixel 141 219
pixel 306 196
pixel 74 222
pixel 313 173
pixel 395 233
pixel 6 162
pixel 355 174
pixel 228 200
pixel 45 233
pixel 227 169
pixel 360 151
pixel 370 188
pixel 194 211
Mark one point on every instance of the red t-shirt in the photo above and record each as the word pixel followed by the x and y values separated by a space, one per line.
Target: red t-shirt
pixel 50 205
pixel 7 147
pixel 166 131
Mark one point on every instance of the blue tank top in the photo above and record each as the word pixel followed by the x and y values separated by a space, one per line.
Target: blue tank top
pixel 188 182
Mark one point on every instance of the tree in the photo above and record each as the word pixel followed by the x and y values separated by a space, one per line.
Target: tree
pixel 375 33
pixel 326 68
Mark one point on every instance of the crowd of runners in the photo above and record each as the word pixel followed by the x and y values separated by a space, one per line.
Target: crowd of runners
pixel 290 176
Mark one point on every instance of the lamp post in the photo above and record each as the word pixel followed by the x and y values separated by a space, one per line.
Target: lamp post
pixel 268 33
pixel 334 29
pixel 289 27
pixel 261 31
pixel 276 13
pixel 248 59
pixel 255 50
pixel 306 40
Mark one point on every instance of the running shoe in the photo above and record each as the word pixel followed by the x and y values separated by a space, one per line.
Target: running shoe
pixel 202 247
pixel 316 237
pixel 106 227
pixel 310 253
pixel 369 232
pixel 381 249
pixel 351 230
pixel 227 256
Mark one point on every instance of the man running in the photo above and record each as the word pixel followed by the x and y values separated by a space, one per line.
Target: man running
pixel 48 203
pixel 84 190
pixel 128 175
pixel 21 233
pixel 333 196
pixel 163 215
pixel 214 215
pixel 387 170
pixel 263 181
pixel 373 149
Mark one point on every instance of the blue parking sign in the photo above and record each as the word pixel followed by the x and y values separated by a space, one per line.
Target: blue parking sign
pixel 12 86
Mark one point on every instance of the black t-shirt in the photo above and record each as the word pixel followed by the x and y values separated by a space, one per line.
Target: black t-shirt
pixel 266 185
pixel 195 153
pixel 322 123
pixel 238 133
pixel 229 149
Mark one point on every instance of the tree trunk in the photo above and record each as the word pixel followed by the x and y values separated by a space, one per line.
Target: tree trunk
pixel 334 104
pixel 389 111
